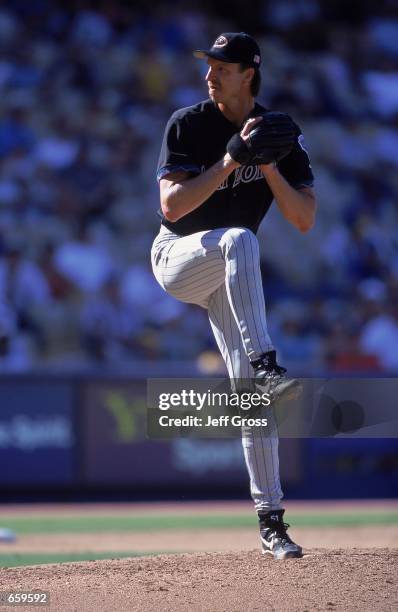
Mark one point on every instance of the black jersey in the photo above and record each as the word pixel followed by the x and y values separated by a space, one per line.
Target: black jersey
pixel 195 139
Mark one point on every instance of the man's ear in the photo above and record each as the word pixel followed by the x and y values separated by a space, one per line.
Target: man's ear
pixel 249 75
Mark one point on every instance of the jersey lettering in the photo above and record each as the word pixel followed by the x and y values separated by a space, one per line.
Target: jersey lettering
pixel 247 174
pixel 243 174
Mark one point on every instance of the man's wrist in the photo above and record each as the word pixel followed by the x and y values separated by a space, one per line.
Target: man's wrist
pixel 230 163
pixel 269 169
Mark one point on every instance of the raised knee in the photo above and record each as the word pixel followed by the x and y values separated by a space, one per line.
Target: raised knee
pixel 238 233
pixel 240 238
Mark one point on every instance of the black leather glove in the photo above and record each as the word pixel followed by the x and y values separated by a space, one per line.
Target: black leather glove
pixel 269 141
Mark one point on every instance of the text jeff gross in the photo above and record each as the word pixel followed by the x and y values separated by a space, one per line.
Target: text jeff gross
pixel 221 421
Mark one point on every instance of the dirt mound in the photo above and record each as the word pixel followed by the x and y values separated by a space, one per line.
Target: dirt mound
pixel 354 579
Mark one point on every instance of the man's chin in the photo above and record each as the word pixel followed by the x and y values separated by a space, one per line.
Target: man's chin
pixel 215 96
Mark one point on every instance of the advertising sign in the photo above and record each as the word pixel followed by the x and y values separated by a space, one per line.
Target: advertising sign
pixel 37 437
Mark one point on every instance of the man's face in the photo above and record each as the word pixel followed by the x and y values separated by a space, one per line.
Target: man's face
pixel 226 81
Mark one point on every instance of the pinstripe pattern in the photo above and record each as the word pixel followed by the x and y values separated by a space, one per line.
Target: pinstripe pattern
pixel 220 270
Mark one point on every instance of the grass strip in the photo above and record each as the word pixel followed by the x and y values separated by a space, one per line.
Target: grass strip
pixel 141 523
pixel 16 559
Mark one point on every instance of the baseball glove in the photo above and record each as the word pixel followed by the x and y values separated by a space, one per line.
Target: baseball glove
pixel 269 141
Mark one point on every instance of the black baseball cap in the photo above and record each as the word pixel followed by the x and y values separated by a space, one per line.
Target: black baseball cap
pixel 234 48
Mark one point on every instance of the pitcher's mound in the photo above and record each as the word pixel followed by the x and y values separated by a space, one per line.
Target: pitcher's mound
pixel 350 579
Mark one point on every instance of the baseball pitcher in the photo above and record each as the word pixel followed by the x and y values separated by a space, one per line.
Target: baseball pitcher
pixel 222 163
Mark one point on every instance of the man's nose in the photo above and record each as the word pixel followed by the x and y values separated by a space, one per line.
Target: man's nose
pixel 209 74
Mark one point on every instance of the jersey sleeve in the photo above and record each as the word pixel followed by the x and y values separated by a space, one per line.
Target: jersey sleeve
pixel 176 152
pixel 296 167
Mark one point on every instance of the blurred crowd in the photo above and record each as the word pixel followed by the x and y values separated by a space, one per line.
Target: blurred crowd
pixel 85 92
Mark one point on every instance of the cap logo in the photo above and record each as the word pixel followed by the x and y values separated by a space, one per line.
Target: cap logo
pixel 221 41
pixel 256 59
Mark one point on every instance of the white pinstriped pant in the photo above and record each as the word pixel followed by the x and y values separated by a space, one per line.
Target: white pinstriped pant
pixel 220 271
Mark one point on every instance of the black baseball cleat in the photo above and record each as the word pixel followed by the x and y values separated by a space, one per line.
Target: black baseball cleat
pixel 270 378
pixel 274 539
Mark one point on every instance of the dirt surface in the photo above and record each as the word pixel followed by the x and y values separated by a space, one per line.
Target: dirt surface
pixel 196 507
pixel 344 568
pixel 209 540
pixel 345 580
